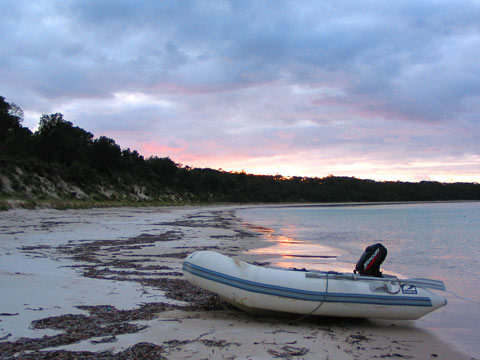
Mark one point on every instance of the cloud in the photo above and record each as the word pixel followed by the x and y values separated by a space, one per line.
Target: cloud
pixel 223 82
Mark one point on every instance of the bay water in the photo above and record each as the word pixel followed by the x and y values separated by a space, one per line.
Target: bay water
pixel 429 240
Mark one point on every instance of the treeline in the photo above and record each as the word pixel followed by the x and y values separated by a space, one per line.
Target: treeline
pixel 77 156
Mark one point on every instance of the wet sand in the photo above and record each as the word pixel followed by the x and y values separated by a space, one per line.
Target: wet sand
pixel 107 283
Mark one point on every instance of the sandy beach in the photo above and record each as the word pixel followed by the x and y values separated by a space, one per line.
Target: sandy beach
pixel 108 284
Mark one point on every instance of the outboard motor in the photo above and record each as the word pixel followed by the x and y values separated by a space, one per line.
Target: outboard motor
pixel 370 261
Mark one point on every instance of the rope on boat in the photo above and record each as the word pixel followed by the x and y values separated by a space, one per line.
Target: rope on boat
pixel 318 307
pixel 386 288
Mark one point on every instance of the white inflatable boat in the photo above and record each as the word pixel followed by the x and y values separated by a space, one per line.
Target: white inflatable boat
pixel 262 289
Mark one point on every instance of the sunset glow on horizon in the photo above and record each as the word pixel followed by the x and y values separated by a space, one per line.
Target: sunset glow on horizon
pixel 286 166
pixel 297 89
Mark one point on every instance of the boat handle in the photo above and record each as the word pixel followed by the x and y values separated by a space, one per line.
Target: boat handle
pixel 383 286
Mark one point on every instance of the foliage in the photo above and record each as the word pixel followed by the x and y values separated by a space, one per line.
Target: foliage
pixel 57 140
pixel 14 138
pixel 58 149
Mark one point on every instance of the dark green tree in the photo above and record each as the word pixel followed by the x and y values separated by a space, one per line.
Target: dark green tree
pixel 164 170
pixel 14 138
pixel 57 140
pixel 106 155
pixel 132 160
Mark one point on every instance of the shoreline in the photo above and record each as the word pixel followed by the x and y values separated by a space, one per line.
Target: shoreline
pixel 121 269
pixel 8 204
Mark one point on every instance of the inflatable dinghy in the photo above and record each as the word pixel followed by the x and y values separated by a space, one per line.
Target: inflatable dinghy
pixel 261 289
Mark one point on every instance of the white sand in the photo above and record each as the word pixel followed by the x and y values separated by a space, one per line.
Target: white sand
pixel 38 282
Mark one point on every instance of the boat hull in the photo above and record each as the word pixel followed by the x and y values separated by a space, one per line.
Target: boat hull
pixel 257 289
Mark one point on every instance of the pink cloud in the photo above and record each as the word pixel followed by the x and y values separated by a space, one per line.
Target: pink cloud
pixel 154 149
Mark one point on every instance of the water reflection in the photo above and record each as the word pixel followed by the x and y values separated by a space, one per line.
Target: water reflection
pixel 289 252
pixel 431 240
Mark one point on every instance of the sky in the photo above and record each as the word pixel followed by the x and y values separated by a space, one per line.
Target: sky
pixel 382 90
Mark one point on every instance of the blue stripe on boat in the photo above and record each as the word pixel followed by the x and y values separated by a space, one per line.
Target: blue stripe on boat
pixel 304 294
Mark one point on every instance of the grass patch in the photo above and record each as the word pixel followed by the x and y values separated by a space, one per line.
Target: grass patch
pixel 30 204
pixel 68 201
pixel 7 203
pixel 89 204
pixel 3 205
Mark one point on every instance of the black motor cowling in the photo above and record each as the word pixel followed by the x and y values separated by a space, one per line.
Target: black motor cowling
pixel 369 263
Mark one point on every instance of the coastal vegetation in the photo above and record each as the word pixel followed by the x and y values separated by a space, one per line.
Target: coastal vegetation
pixel 67 166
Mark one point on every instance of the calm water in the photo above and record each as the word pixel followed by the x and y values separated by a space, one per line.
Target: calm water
pixel 438 241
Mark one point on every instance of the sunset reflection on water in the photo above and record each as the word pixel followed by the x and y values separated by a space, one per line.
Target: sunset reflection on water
pixel 290 252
